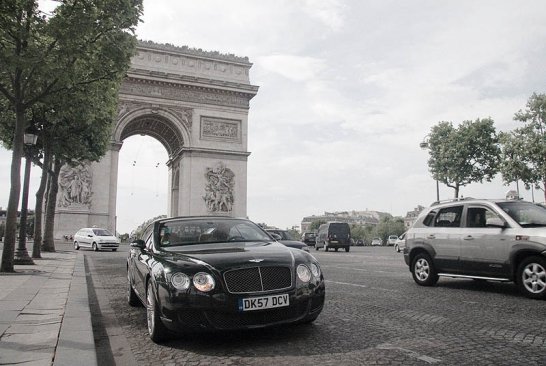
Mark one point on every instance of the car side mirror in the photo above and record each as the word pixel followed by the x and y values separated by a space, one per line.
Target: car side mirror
pixel 138 243
pixel 276 236
pixel 496 222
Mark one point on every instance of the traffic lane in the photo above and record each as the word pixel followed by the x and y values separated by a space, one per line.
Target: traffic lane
pixel 359 325
pixel 491 311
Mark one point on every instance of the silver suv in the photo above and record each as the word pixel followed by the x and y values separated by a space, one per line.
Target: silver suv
pixel 500 240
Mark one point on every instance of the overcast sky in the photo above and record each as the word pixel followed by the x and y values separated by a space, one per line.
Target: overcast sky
pixel 348 90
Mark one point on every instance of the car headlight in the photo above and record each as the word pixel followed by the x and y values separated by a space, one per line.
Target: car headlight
pixel 203 282
pixel 315 270
pixel 180 281
pixel 303 273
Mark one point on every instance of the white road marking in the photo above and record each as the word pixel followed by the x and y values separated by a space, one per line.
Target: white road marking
pixel 359 285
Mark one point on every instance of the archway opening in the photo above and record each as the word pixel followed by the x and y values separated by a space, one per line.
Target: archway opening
pixel 142 182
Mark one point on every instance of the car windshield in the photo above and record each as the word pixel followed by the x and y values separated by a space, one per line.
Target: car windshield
pixel 209 231
pixel 101 232
pixel 339 229
pixel 525 213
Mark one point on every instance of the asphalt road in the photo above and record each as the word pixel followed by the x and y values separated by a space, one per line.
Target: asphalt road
pixel 374 315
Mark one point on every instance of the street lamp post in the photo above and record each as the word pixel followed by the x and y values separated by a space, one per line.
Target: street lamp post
pixel 21 253
pixel 425 146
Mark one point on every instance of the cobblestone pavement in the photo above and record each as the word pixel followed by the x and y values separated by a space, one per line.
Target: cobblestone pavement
pixel 374 315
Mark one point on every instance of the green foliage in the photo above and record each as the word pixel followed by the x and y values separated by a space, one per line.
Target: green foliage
pixel 137 233
pixel 524 149
pixel 316 224
pixel 463 155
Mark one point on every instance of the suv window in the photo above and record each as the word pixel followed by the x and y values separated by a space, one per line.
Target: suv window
pixel 429 219
pixel 339 228
pixel 449 217
pixel 478 216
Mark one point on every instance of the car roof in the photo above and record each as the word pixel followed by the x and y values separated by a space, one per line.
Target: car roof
pixel 471 200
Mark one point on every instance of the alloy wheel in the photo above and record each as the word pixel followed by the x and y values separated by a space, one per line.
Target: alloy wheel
pixel 533 278
pixel 422 269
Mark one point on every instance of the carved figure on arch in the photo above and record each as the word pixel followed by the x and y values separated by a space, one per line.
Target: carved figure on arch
pixel 219 188
pixel 75 186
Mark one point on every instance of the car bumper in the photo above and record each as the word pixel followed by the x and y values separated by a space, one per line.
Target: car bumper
pixel 220 311
pixel 108 245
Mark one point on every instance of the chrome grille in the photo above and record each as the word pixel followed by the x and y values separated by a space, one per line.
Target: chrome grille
pixel 258 279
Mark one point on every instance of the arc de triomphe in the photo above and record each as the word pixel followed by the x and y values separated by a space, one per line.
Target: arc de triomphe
pixel 196 104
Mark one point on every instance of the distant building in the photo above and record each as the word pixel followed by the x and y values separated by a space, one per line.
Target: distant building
pixel 411 216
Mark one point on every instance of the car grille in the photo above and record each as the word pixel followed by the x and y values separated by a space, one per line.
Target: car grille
pixel 258 279
pixel 220 320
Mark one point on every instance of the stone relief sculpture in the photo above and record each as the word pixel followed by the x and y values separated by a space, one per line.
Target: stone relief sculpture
pixel 219 188
pixel 75 186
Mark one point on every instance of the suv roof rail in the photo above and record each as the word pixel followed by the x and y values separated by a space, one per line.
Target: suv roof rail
pixel 452 200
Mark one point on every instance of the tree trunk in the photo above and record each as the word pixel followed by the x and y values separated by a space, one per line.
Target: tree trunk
pixel 14 193
pixel 49 243
pixel 38 210
pixel 457 190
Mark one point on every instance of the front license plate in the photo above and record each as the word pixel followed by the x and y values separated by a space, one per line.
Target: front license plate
pixel 333 241
pixel 264 302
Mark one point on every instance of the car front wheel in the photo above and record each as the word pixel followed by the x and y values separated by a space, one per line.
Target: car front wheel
pixel 423 270
pixel 397 248
pixel 156 329
pixel 76 245
pixel 532 277
pixel 95 247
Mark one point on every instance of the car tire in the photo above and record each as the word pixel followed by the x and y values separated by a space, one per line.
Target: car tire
pixel 316 247
pixel 113 250
pixel 156 329
pixel 76 245
pixel 423 270
pixel 95 247
pixel 531 277
pixel 347 249
pixel 132 297
pixel 337 249
pixel 325 247
pixel 397 248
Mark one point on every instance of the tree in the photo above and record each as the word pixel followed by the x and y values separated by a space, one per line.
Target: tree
pixel 83 42
pixel 316 224
pixel 463 155
pixel 524 149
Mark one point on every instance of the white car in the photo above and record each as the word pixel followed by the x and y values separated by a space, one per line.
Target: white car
pixel 392 240
pixel 400 243
pixel 95 238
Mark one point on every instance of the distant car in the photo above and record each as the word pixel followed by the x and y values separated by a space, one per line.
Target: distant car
pixel 309 238
pixel 377 242
pixel 334 235
pixel 284 237
pixel 96 238
pixel 400 243
pixel 219 273
pixel 359 243
pixel 392 240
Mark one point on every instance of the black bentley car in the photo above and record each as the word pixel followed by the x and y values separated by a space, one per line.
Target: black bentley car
pixel 199 273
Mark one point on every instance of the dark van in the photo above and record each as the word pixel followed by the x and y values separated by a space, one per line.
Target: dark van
pixel 334 235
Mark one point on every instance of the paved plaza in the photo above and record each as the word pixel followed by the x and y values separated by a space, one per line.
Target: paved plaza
pixel 44 312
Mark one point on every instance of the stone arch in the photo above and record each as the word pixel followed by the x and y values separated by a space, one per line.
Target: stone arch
pixel 195 103
pixel 170 129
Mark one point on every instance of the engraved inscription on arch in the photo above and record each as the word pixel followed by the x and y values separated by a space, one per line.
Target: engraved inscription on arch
pixel 220 129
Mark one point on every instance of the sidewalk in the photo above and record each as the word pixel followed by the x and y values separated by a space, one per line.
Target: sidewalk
pixel 44 312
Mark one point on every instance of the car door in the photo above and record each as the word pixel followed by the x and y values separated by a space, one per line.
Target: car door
pixel 445 238
pixel 484 248
pixel 86 238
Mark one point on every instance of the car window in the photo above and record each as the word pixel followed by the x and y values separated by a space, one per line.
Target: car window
pixel 339 229
pixel 449 217
pixel 479 216
pixel 101 232
pixel 429 218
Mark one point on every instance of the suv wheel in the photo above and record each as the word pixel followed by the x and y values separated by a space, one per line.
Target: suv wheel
pixel 396 248
pixel 423 270
pixel 531 277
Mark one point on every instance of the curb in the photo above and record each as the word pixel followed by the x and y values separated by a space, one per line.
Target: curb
pixel 76 343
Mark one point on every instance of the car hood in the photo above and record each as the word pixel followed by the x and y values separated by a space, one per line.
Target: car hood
pixel 225 256
pixel 107 238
